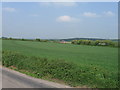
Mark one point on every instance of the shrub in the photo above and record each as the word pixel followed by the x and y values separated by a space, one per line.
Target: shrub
pixel 37 39
pixel 68 72
pixel 96 43
pixel 23 39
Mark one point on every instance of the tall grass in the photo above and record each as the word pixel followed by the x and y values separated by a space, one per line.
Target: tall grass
pixel 70 73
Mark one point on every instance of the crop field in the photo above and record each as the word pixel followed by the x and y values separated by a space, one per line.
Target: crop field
pixel 105 58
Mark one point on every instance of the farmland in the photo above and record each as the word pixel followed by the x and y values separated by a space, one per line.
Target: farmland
pixel 104 58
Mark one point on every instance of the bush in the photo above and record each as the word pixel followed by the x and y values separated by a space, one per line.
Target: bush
pixel 23 39
pixel 68 72
pixel 37 39
pixel 95 43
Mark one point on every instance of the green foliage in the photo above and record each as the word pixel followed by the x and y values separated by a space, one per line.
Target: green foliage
pixel 80 54
pixel 72 74
pixel 23 39
pixel 10 38
pixel 84 57
pixel 96 43
pixel 40 40
pixel 37 39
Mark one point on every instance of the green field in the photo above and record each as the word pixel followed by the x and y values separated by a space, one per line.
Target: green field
pixel 103 57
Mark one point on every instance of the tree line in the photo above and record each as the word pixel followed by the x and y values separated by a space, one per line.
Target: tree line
pixel 76 42
pixel 22 39
pixel 95 42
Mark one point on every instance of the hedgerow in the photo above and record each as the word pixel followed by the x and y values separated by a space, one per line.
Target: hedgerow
pixel 70 73
pixel 96 43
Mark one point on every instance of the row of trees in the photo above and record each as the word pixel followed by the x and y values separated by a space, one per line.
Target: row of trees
pixel 41 40
pixel 22 39
pixel 95 43
pixel 77 42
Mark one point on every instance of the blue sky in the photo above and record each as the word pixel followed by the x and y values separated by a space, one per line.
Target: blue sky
pixel 60 20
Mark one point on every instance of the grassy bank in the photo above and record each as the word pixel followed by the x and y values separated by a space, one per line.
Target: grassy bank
pixel 68 72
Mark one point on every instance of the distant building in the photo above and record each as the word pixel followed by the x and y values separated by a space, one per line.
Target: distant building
pixel 64 41
pixel 102 44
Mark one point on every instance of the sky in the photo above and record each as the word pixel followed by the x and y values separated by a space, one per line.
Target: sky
pixel 51 20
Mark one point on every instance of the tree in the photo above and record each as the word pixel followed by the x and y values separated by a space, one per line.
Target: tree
pixel 23 39
pixel 37 39
pixel 79 42
pixel 74 42
pixel 10 38
pixel 97 42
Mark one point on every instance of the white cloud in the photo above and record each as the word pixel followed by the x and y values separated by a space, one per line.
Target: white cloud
pixel 90 14
pixel 94 15
pixel 68 4
pixel 8 9
pixel 67 19
pixel 108 13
